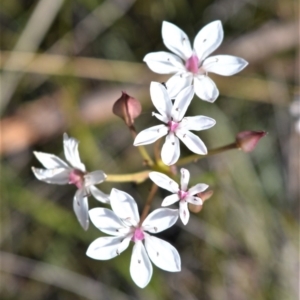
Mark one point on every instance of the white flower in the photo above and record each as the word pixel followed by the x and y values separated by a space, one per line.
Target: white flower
pixel 123 224
pixel 177 126
pixel 182 194
pixel 59 172
pixel 192 65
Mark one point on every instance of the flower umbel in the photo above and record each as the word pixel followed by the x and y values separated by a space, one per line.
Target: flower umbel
pixel 59 172
pixel 176 125
pixel 182 194
pixel 123 224
pixel 192 65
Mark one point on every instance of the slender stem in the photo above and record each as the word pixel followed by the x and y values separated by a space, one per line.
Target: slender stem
pixel 138 177
pixel 195 157
pixel 149 200
pixel 157 150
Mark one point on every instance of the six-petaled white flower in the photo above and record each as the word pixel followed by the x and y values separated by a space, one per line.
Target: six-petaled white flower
pixel 192 65
pixel 177 126
pixel 123 224
pixel 59 172
pixel 182 194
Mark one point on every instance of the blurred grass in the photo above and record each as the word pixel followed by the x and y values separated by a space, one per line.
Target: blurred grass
pixel 245 242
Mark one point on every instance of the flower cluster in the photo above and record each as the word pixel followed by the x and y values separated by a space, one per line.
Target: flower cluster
pixel 123 222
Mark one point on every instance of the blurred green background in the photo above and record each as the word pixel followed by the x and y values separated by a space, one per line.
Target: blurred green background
pixel 64 63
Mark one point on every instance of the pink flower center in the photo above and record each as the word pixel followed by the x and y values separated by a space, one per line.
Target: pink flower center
pixel 138 235
pixel 173 125
pixel 192 64
pixel 76 178
pixel 182 194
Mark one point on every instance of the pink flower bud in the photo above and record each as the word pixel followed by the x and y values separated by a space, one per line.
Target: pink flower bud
pixel 247 140
pixel 127 108
pixel 204 196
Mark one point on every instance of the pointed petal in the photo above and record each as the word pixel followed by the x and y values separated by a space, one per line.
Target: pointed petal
pixel 197 123
pixel 99 195
pixel 105 248
pixel 164 118
pixel 205 88
pixel 163 62
pixel 160 219
pixel 81 208
pixel 194 200
pixel 124 207
pixel 182 103
pixel 185 178
pixel 94 178
pixel 200 187
pixel 176 40
pixel 192 141
pixel 177 83
pixel 161 99
pixel 163 254
pixel 169 200
pixel 164 181
pixel 140 265
pixel 72 154
pixel 170 151
pixel 184 212
pixel 108 222
pixel 150 135
pixel 208 39
pixel 50 161
pixel 225 65
pixel 54 176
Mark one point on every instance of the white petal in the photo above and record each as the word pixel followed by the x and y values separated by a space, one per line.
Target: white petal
pixel 161 99
pixel 81 208
pixel 208 39
pixel 163 62
pixel 94 178
pixel 160 219
pixel 99 195
pixel 107 247
pixel 197 123
pixel 164 181
pixel 150 135
pixel 50 161
pixel 124 207
pixel 184 212
pixel 205 88
pixel 170 151
pixel 182 103
pixel 225 65
pixel 198 188
pixel 184 179
pixel 140 265
pixel 72 154
pixel 108 222
pixel 163 254
pixel 169 200
pixel 164 118
pixel 194 200
pixel 176 40
pixel 177 83
pixel 192 141
pixel 54 176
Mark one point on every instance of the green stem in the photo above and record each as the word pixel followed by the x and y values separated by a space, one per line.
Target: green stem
pixel 195 157
pixel 138 177
pixel 149 200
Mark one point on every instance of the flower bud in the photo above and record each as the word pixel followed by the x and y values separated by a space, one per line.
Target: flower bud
pixel 127 108
pixel 204 196
pixel 247 140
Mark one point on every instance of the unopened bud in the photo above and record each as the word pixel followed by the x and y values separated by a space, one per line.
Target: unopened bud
pixel 127 108
pixel 247 140
pixel 204 196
